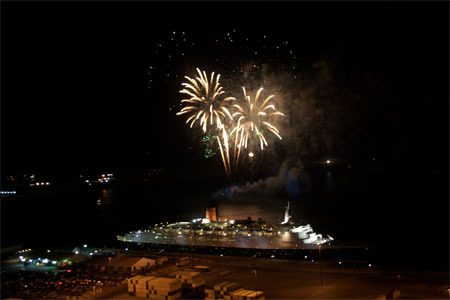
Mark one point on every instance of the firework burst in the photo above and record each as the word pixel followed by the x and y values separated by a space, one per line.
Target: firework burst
pixel 253 119
pixel 206 103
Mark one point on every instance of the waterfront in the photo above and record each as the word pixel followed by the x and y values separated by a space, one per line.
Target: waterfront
pixel 96 214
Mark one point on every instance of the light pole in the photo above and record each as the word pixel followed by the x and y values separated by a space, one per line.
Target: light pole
pixel 254 269
pixel 320 266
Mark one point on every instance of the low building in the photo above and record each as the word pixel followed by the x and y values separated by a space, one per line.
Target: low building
pixel 122 262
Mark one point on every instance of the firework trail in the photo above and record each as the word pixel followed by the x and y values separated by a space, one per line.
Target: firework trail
pixel 248 120
pixel 208 105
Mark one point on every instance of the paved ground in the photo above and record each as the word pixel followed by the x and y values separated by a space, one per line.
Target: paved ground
pixel 301 280
pixel 283 279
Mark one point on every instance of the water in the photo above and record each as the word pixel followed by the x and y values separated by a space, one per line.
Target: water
pixel 401 217
pixel 95 215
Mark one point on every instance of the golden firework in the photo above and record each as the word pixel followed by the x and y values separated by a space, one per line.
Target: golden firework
pixel 206 103
pixel 253 118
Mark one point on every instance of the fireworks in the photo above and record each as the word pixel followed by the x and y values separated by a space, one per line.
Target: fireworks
pixel 206 102
pixel 245 119
pixel 253 118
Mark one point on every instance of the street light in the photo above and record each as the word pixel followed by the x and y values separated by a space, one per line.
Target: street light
pixel 254 269
pixel 320 265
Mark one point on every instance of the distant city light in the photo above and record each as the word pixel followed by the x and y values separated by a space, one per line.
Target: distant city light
pixel 84 246
pixel 54 262
pixel 76 252
pixel 328 161
pixel 340 262
pixel 7 192
pixel 370 265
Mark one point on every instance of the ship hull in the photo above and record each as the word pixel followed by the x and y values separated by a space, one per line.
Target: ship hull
pixel 286 240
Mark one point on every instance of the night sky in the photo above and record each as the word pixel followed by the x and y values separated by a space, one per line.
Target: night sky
pixel 89 87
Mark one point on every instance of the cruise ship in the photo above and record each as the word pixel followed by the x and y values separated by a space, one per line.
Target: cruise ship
pixel 214 231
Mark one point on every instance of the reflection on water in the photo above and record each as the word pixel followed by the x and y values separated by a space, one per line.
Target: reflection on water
pixel 107 195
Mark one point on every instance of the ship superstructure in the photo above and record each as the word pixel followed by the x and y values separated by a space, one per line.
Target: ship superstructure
pixel 219 232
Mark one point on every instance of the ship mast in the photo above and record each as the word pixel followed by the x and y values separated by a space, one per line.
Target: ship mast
pixel 286 215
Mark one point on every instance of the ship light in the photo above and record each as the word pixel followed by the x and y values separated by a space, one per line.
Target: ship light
pixel 54 262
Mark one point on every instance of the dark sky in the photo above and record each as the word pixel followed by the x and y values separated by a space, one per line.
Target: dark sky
pixel 76 92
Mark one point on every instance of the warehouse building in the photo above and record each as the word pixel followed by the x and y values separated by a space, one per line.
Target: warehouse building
pixel 122 262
